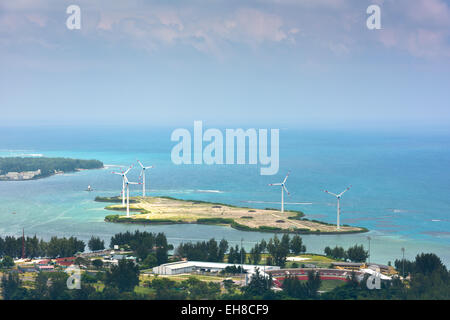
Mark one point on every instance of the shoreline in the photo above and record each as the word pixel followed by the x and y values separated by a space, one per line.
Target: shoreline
pixel 49 175
pixel 151 211
pixel 26 169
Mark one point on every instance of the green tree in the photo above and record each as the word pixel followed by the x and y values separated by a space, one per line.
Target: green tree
pixel 40 291
pixel 255 254
pixel 296 245
pixel 427 263
pixel 357 253
pixel 7 262
pixel 228 284
pixel 278 250
pixel 167 289
pixel 302 290
pixel 10 285
pixel 95 244
pixel 124 276
pixel 223 247
pixel 97 263
pixel 313 284
pixel 150 261
pixel 58 286
pixel 200 289
pixel 258 285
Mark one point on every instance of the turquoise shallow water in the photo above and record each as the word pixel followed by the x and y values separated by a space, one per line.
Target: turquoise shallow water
pixel 400 186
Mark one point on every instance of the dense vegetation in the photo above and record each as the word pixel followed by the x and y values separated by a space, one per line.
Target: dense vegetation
pixel 95 244
pixel 210 251
pixel 46 165
pixel 34 247
pixel 277 250
pixel 354 254
pixel 295 288
pixel 428 278
pixel 149 247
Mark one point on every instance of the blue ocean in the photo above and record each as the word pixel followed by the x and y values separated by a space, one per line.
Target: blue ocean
pixel 400 186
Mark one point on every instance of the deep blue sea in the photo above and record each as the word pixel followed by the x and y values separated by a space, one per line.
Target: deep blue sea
pixel 400 186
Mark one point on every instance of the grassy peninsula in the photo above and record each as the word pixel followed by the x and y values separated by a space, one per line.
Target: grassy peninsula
pixel 29 168
pixel 168 210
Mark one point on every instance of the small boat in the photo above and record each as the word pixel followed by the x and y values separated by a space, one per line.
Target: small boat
pixel 13 212
pixel 89 188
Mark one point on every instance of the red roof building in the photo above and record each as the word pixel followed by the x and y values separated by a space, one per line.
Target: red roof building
pixel 65 259
pixel 44 262
pixel 65 263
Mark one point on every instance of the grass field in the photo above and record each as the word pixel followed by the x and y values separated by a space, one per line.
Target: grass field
pixel 168 210
pixel 317 260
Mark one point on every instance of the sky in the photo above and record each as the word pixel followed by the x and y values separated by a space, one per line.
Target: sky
pixel 258 63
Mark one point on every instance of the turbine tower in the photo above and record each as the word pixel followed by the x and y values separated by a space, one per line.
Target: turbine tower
pixel 283 188
pixel 143 176
pixel 124 177
pixel 338 197
pixel 127 183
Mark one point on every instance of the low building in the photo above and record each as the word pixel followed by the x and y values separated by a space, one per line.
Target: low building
pixel 26 175
pixel 47 268
pixel 115 258
pixel 26 268
pixel 214 267
pixel 44 262
pixel 382 268
pixel 99 253
pixel 354 266
pixel 65 262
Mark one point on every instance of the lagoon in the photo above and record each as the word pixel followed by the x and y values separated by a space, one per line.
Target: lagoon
pixel 400 187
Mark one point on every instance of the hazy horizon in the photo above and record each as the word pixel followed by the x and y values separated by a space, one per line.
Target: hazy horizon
pixel 262 63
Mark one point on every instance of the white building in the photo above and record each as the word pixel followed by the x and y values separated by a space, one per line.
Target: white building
pixel 26 175
pixel 191 266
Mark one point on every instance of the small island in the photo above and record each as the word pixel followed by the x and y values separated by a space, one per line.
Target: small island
pixel 20 169
pixel 168 210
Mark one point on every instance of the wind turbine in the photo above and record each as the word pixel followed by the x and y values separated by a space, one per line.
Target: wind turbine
pixel 127 183
pixel 338 197
pixel 283 188
pixel 143 176
pixel 124 176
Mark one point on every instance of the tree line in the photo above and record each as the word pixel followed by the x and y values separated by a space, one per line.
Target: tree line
pixel 277 250
pixel 354 254
pixel 46 165
pixel 210 251
pixel 428 279
pixel 151 248
pixel 34 247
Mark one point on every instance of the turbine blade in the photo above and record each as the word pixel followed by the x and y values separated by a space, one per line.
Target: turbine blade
pixel 275 184
pixel 284 181
pixel 140 164
pixel 128 170
pixel 285 189
pixel 344 191
pixel 330 193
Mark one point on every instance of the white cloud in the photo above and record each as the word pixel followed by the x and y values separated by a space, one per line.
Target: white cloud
pixel 334 27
